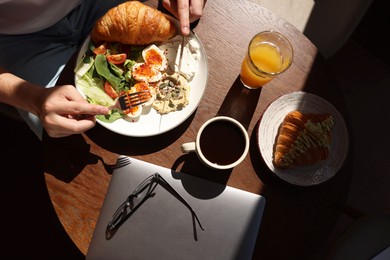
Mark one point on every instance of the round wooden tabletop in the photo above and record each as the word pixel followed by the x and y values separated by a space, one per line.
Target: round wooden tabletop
pixel 296 219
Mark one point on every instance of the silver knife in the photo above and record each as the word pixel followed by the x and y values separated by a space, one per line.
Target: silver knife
pixel 181 56
pixel 178 73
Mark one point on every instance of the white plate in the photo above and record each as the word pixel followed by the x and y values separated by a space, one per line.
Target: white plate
pixel 307 103
pixel 152 123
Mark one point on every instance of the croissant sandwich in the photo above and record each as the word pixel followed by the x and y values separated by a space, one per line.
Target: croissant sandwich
pixel 132 23
pixel 303 139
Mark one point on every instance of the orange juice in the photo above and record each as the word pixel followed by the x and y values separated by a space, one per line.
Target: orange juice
pixel 265 57
pixel 269 54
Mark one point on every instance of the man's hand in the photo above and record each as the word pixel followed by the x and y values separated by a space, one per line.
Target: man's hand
pixel 65 112
pixel 187 11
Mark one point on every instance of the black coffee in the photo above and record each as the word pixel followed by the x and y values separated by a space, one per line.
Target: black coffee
pixel 222 142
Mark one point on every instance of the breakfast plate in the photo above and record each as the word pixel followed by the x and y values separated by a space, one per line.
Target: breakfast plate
pixel 150 122
pixel 269 127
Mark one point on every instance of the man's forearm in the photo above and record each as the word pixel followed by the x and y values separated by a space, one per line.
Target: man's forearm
pixel 18 92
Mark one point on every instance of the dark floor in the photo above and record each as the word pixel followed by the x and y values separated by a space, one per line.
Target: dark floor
pixel 366 86
pixel 362 66
pixel 30 226
pixel 365 82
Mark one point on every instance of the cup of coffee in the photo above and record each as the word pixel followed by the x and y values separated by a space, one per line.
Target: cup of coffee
pixel 221 143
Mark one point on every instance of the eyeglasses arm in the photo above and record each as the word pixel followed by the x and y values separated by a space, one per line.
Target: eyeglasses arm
pixel 160 179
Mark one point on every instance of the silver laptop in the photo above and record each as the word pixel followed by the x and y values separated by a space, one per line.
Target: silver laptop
pixel 164 227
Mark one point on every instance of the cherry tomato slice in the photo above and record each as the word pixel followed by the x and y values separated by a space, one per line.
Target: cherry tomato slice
pixel 117 58
pixel 102 49
pixel 110 90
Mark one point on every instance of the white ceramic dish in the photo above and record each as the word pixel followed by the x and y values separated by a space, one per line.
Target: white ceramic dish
pixel 269 127
pixel 151 123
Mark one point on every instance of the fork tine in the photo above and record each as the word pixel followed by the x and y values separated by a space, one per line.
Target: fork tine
pixel 133 99
pixel 121 162
pixel 139 98
pixel 142 92
pixel 130 100
pixel 134 104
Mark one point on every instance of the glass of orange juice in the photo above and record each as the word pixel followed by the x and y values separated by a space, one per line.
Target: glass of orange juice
pixel 269 54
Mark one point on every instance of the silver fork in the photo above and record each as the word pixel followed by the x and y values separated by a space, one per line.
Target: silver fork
pixel 122 161
pixel 132 99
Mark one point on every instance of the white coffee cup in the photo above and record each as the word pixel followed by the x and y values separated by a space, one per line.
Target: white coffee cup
pixel 221 143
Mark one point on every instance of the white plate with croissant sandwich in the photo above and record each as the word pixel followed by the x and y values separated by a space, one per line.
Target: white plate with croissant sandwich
pixel 303 139
pixel 128 50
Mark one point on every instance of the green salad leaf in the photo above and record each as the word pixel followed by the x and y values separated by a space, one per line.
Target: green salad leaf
pixel 93 70
pixel 102 67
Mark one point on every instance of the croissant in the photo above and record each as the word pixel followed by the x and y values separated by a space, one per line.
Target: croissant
pixel 132 23
pixel 303 139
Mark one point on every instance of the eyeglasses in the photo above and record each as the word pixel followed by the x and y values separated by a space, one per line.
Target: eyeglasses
pixel 137 198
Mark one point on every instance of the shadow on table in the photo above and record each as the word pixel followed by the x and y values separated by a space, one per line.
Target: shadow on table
pixel 129 145
pixel 30 224
pixel 66 157
pixel 190 164
pixel 308 213
pixel 240 103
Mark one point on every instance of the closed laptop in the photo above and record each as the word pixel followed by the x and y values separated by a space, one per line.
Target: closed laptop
pixel 163 227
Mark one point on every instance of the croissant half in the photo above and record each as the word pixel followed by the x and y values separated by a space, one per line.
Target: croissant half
pixel 133 23
pixel 303 139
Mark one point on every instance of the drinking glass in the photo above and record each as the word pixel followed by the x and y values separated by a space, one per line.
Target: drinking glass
pixel 269 54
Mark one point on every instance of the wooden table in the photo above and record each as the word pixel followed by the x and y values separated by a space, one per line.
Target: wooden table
pixel 296 219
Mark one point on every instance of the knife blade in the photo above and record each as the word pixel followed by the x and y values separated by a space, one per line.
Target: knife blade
pixel 178 73
pixel 181 57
